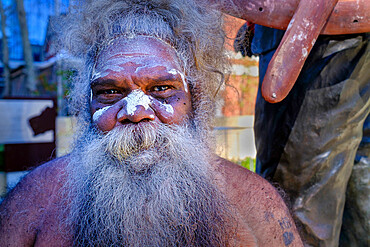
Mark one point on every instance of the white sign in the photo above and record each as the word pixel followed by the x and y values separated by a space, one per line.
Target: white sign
pixel 14 121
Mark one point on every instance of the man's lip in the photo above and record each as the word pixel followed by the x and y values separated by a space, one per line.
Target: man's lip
pixel 141 124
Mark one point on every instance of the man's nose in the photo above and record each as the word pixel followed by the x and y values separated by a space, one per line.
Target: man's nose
pixel 140 113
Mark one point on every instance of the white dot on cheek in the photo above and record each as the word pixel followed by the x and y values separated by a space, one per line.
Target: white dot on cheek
pixel 165 108
pixel 168 108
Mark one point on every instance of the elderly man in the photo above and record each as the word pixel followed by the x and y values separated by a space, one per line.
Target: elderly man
pixel 142 172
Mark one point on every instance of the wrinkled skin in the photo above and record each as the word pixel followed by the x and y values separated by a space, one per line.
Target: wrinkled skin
pixel 149 89
pixel 150 75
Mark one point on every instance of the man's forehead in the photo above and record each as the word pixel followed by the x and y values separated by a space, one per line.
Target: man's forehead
pixel 139 53
pixel 139 45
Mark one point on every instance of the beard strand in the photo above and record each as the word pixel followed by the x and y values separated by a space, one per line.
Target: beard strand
pixel 147 185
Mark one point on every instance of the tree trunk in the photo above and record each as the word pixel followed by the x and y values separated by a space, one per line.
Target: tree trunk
pixel 5 51
pixel 27 51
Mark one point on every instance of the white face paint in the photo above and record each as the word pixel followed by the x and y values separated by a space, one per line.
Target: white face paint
pixel 124 40
pixel 96 75
pixel 168 108
pixel 113 64
pixel 138 60
pixel 175 72
pixel 138 98
pixel 135 99
pixel 137 70
pixel 100 112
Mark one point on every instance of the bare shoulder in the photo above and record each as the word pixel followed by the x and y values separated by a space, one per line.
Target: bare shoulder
pixel 259 205
pixel 22 210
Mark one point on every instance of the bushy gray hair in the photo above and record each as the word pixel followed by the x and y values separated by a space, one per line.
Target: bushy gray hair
pixel 164 195
pixel 191 27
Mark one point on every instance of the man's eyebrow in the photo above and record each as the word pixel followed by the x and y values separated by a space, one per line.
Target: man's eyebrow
pixel 165 77
pixel 173 75
pixel 102 82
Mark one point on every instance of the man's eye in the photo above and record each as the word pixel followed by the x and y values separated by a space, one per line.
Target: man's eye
pixel 160 88
pixel 108 91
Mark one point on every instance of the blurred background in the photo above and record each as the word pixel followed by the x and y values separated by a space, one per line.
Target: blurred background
pixel 35 78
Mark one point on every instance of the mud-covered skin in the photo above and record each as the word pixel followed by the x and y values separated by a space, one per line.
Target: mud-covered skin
pixel 132 84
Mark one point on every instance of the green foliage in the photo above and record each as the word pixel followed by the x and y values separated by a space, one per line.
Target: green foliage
pixel 248 163
pixel 46 85
pixel 67 76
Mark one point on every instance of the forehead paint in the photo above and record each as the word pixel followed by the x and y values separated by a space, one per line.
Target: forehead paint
pixel 109 52
pixel 112 64
pixel 96 75
pixel 116 64
pixel 100 112
pixel 137 70
pixel 134 41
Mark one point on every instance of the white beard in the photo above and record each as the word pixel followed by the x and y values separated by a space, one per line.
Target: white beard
pixel 145 186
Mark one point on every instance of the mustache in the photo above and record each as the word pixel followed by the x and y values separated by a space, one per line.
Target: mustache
pixel 128 140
